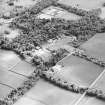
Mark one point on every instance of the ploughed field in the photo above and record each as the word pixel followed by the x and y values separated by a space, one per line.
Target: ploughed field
pixel 41 52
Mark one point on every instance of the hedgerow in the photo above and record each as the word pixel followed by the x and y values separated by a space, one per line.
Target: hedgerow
pixel 71 9
pixel 56 80
pixel 89 58
pixel 51 76
pixel 77 11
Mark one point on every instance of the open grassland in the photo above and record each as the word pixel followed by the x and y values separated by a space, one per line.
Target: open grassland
pixel 27 101
pixel 4 90
pixel 99 84
pixel 84 4
pixel 50 94
pixel 78 70
pixel 96 46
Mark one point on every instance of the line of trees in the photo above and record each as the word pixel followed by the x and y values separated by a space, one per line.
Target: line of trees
pixel 58 81
pixel 71 9
pixel 77 11
pixel 89 58
pixel 52 77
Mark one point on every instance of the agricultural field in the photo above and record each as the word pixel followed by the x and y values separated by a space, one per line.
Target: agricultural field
pixel 79 71
pixel 52 52
pixel 4 90
pixel 8 59
pixel 95 46
pixel 49 94
pixel 99 84
pixel 84 4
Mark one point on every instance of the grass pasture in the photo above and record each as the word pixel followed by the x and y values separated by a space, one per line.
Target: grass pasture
pixel 12 79
pixel 95 46
pixel 52 95
pixel 79 71
pixel 8 59
pixel 84 4
pixel 102 15
pixel 100 84
pixel 27 101
pixel 4 90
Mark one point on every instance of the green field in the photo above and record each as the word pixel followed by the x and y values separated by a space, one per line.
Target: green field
pixel 79 71
pixel 11 79
pixel 91 101
pixel 100 84
pixel 4 90
pixel 84 4
pixel 95 46
pixel 52 95
pixel 27 101
pixel 8 59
